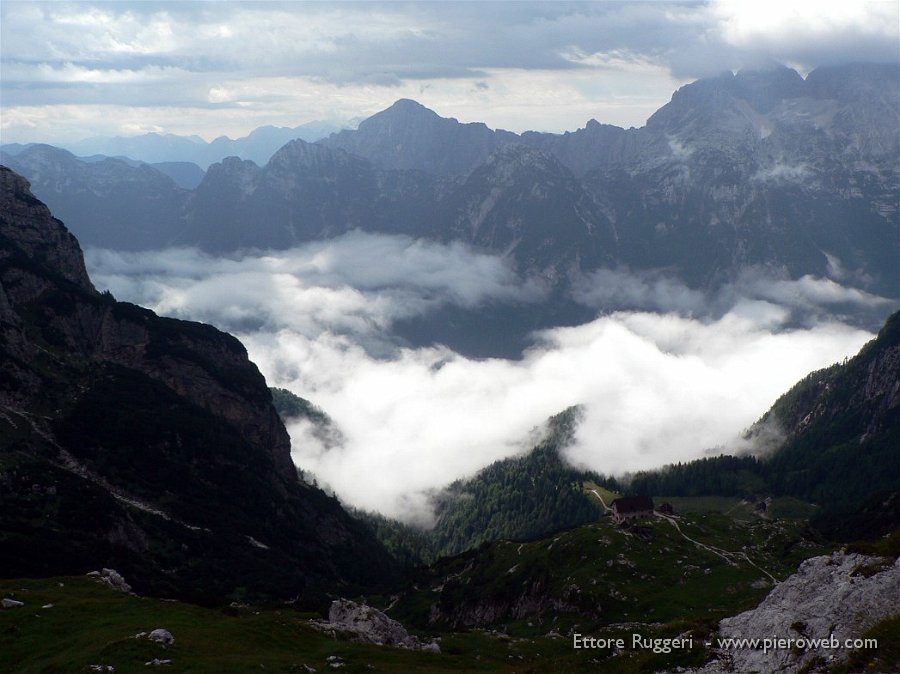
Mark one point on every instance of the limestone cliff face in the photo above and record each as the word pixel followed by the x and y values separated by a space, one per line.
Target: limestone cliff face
pixel 196 361
pixel 145 443
pixel 834 597
pixel 36 233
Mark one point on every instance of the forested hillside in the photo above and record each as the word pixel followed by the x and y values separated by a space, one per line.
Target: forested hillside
pixel 520 498
pixel 839 434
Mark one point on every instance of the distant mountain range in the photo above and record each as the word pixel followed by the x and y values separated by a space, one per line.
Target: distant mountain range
pixel 760 169
pixel 155 148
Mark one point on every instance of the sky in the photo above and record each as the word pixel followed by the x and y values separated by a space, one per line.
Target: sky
pixel 678 375
pixel 74 70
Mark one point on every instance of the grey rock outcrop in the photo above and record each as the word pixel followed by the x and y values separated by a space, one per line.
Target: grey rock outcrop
pixel 833 598
pixel 112 578
pixel 162 636
pixel 37 234
pixel 368 624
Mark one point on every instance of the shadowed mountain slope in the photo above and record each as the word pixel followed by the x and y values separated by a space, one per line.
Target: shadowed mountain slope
pixel 146 444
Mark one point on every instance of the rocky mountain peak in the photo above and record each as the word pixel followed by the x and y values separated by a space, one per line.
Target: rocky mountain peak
pixel 26 225
pixel 233 169
pixel 240 175
pixel 408 135
pixel 515 162
pixel 403 108
pixel 766 90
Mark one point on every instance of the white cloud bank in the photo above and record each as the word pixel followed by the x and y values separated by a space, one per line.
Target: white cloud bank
pixel 656 387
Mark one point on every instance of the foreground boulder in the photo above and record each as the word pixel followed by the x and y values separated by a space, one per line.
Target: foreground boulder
pixel 162 636
pixel 369 624
pixel 112 578
pixel 830 600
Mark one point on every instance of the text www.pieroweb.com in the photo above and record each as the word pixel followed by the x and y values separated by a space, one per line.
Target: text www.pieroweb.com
pixel 775 643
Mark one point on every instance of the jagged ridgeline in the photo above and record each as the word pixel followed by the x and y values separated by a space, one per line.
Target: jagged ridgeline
pixel 146 444
pixel 759 169
pixel 833 439
pixel 519 498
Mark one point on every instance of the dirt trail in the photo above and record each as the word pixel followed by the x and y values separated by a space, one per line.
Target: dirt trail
pixel 602 502
pixel 727 555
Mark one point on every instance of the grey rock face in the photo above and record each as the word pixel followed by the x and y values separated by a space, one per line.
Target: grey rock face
pixel 40 236
pixel 113 578
pixel 833 598
pixel 371 625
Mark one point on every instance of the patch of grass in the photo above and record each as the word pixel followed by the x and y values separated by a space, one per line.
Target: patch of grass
pixel 705 504
pixel 600 574
pixel 885 658
pixel 607 495
pixel 92 624
pixel 596 580
pixel 792 508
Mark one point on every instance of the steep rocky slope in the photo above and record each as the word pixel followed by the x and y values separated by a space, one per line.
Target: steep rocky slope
pixel 764 169
pixel 831 599
pixel 840 428
pixel 147 444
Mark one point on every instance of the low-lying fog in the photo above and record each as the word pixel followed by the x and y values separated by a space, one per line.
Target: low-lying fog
pixel 676 374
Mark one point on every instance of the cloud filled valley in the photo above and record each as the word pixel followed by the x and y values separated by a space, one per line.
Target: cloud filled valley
pixel 664 372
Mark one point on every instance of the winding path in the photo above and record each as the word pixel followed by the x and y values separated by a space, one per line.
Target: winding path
pixel 602 502
pixel 727 555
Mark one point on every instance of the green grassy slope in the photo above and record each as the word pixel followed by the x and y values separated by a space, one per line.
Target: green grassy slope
pixel 597 580
pixel 600 574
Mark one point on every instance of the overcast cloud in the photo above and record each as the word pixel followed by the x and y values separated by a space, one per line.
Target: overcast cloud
pixel 656 387
pixel 72 70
